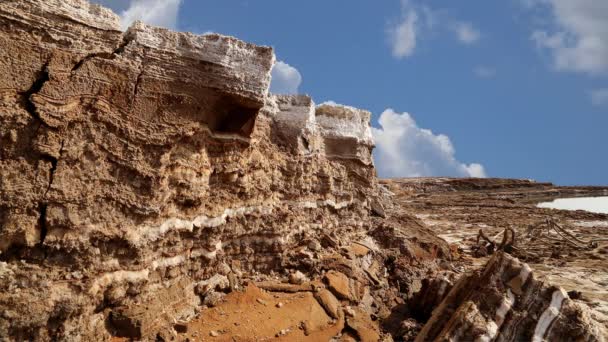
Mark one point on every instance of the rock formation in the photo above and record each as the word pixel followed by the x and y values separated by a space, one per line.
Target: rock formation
pixel 136 164
pixel 145 174
pixel 505 302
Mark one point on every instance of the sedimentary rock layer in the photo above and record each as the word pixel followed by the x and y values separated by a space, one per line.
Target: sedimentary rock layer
pixel 136 164
pixel 505 302
pixel 144 172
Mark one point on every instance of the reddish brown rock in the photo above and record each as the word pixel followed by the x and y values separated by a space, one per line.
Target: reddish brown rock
pixel 365 329
pixel 143 171
pixel 338 283
pixel 329 302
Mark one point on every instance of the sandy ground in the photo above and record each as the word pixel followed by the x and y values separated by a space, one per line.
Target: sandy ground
pixel 257 315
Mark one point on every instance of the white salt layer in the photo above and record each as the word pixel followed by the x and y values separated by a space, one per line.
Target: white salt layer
pixel 591 204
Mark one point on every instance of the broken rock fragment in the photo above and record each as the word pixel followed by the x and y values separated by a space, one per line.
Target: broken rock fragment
pixel 504 301
pixel 329 302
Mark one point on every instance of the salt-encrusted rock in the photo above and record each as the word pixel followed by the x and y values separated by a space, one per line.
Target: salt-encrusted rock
pixel 145 170
pixel 297 278
pixel 346 131
pixel 296 124
pixel 145 159
pixel 504 302
pixel 236 69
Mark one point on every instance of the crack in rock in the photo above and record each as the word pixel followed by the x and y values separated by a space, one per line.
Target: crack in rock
pixel 105 55
pixel 41 79
pixel 54 162
pixel 42 221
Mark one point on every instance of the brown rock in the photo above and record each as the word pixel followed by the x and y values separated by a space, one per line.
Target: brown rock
pixel 366 329
pixel 329 302
pixel 339 284
pixel 484 305
pixel 348 337
pixel 137 165
pixel 149 157
pixel 359 250
pixel 282 287
pixel 378 208
pixel 213 298
pixel 137 319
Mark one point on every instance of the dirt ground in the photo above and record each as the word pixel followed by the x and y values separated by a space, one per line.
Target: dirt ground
pixel 258 315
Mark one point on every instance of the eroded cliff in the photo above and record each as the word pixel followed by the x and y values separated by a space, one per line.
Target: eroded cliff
pixel 145 174
pixel 136 164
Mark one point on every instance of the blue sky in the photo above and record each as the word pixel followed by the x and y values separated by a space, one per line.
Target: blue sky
pixel 517 86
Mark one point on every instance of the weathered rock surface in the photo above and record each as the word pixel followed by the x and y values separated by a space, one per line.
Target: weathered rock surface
pixel 140 162
pixel 457 209
pixel 150 186
pixel 505 302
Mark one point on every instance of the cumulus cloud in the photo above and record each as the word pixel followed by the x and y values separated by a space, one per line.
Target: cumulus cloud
pixel 599 97
pixel 285 79
pixel 484 71
pixel 162 13
pixel 466 33
pixel 405 150
pixel 577 38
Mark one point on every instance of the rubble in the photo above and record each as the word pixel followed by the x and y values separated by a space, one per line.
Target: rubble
pixel 504 301
pixel 458 209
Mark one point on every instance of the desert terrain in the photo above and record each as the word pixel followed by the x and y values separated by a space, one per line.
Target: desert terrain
pixel 153 189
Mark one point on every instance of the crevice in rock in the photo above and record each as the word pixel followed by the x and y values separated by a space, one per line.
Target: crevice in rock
pixel 42 206
pixel 138 82
pixel 42 221
pixel 231 115
pixel 138 79
pixel 105 55
pixel 54 162
pixel 121 326
pixel 41 79
pixel 126 39
pixel 348 331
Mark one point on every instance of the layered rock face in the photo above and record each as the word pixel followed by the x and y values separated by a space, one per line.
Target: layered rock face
pixel 505 302
pixel 135 164
pixel 146 174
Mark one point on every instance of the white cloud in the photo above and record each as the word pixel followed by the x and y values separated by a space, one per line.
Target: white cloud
pixel 599 97
pixel 466 33
pixel 484 71
pixel 578 36
pixel 405 150
pixel 419 20
pixel 285 79
pixel 162 13
pixel 153 12
pixel 402 36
